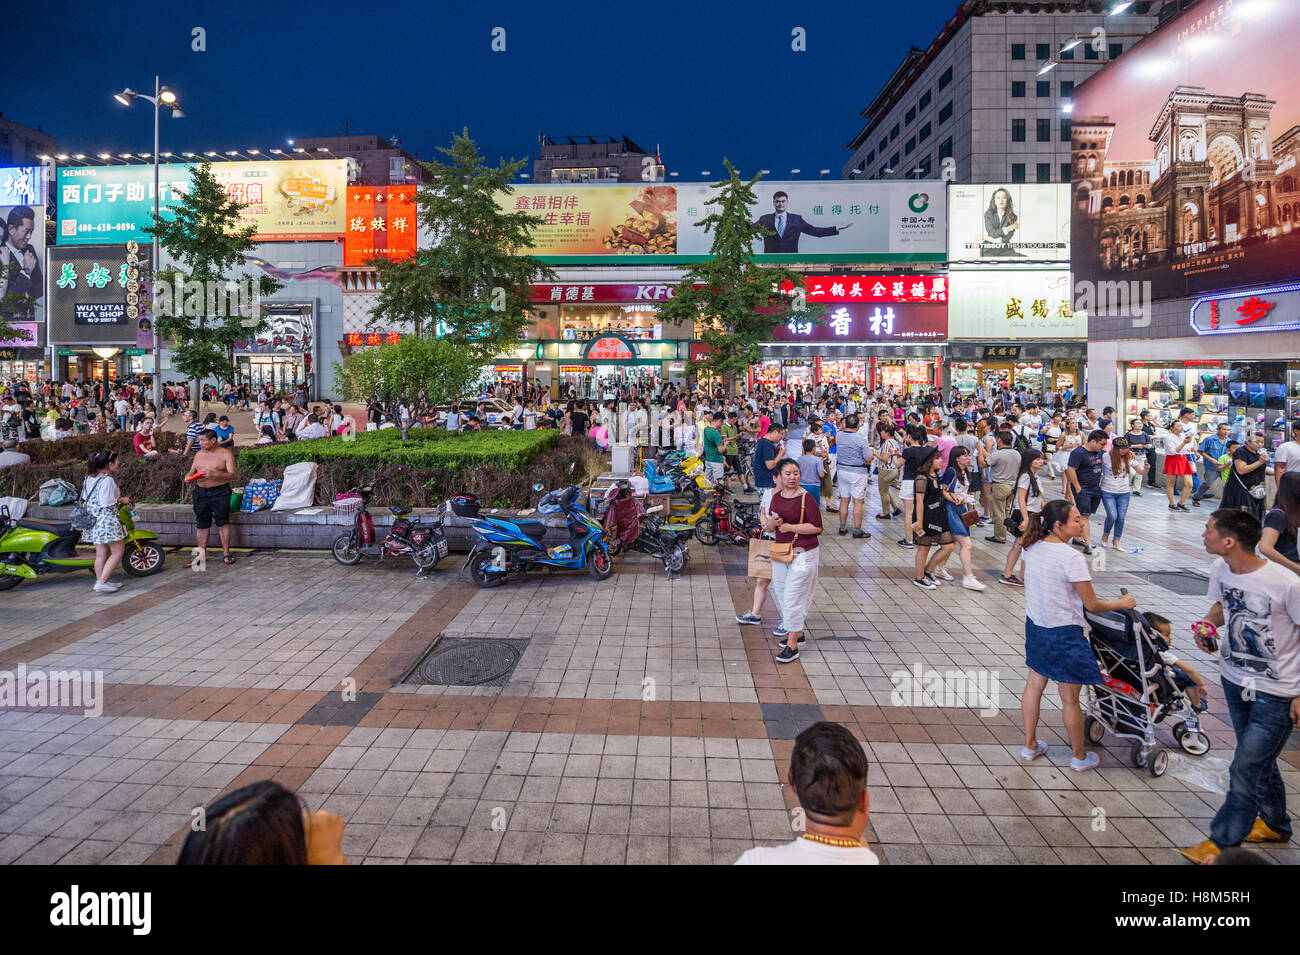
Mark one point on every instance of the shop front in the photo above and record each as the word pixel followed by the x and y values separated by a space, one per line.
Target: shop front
pixel 1044 369
pixel 600 368
pixel 280 355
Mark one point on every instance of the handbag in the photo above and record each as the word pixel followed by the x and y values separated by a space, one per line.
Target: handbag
pixel 760 559
pixel 783 553
pixel 83 519
pixel 1012 521
pixel 969 518
pixel 1258 491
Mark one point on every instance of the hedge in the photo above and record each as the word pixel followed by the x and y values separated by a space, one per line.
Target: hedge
pixel 79 448
pixel 424 448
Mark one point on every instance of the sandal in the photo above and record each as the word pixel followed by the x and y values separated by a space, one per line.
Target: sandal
pixel 228 559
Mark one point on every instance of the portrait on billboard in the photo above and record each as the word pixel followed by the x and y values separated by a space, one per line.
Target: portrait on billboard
pixel 22 284
pixel 1184 155
pixel 1004 221
pixel 786 226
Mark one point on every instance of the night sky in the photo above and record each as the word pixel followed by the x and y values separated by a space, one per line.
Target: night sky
pixel 701 80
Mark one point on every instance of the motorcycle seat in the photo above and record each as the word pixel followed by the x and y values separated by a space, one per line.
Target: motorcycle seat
pixel 534 529
pixel 400 511
pixel 50 527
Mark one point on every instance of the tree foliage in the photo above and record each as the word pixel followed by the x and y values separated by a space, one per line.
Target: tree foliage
pixel 203 235
pixel 738 302
pixel 435 369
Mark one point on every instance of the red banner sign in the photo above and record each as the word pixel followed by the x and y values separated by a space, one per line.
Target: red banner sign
pixel 381 223
pixel 609 348
pixel 864 322
pixel 874 288
pixel 358 339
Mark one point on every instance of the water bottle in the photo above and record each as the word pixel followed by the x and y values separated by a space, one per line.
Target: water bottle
pixel 134 514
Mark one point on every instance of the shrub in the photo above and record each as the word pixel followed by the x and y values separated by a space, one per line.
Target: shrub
pixel 77 450
pixel 425 448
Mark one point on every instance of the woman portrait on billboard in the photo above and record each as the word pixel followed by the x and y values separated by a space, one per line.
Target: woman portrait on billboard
pixel 1000 226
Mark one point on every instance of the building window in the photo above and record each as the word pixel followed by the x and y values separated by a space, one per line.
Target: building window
pixel 871 156
pixel 884 144
pixel 1044 172
pixel 911 116
pixel 924 165
pixel 1065 130
pixel 945 149
pixel 945 77
pixel 945 111
pixel 1018 172
pixel 1066 54
pixel 1065 172
pixel 1090 52
pixel 1114 50
pixel 893 133
pixel 1043 51
pixel 923 133
pixel 910 147
pixel 1017 51
pixel 1043 88
pixel 1017 89
pixel 1067 88
pixel 925 99
pixel 1017 130
pixel 893 161
pixel 1044 130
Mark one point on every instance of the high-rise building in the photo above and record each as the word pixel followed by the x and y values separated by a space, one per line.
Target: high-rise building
pixel 992 90
pixel 380 162
pixel 23 146
pixel 594 159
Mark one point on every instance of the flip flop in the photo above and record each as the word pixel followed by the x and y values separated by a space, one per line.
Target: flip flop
pixel 228 559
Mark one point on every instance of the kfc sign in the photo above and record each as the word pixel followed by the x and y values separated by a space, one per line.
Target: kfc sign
pixel 862 322
pixel 873 288
pixel 1273 309
pixel 589 293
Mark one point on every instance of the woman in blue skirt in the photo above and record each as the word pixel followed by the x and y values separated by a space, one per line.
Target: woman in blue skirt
pixel 1058 588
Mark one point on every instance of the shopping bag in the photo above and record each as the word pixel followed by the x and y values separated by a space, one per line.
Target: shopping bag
pixel 760 560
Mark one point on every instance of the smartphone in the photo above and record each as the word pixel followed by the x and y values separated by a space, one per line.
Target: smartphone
pixel 1209 633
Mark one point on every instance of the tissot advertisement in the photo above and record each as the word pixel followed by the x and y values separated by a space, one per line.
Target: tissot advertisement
pixel 1000 224
pixel 1184 154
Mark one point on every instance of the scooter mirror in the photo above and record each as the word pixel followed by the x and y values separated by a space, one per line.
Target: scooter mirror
pixel 655 509
pixel 539 487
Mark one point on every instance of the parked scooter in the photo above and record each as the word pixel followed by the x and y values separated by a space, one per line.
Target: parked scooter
pixel 506 549
pixel 628 526
pixel 29 548
pixel 425 544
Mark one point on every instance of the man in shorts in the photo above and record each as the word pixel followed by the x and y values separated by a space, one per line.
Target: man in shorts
pixel 212 471
pixel 853 456
pixel 1083 480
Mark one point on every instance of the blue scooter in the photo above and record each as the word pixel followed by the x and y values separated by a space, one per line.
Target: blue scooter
pixel 506 549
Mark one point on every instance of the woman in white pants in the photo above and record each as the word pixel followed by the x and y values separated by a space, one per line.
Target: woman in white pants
pixel 796 519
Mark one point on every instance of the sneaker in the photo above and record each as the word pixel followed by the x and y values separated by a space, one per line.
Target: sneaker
pixel 752 619
pixel 1087 551
pixel 995 540
pixel 844 529
pixel 860 534
pixel 1182 507
pixel 1088 762
pixel 925 583
pixel 1195 503
pixel 1028 754
pixel 780 631
pixel 1137 493
pixel 942 574
pixel 906 544
pixel 1201 854
pixel 108 588
pixel 803 638
pixel 984 522
pixel 971 583
pixel 787 655
pixel 1012 581
pixel 930 577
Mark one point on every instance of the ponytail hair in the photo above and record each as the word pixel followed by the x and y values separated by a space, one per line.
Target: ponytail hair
pixel 98 461
pixel 1042 524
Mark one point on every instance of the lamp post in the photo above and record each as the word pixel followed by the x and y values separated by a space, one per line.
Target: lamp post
pixel 162 96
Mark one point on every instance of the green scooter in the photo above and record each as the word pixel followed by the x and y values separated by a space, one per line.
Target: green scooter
pixel 29 548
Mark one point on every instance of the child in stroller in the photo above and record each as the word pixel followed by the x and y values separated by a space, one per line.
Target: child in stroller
pixel 1143 683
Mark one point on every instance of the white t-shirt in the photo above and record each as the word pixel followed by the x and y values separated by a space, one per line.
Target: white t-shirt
pixel 1113 483
pixel 1260 642
pixel 103 487
pixel 121 406
pixel 1033 502
pixel 1174 443
pixel 807 852
pixel 1051 571
pixel 1288 453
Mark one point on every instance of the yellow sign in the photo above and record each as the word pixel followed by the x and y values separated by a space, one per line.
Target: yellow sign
pixel 288 200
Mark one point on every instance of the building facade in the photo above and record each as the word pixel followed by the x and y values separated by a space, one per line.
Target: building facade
pixel 595 159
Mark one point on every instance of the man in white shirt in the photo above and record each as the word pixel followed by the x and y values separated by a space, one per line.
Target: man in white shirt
pixel 11 455
pixel 1287 456
pixel 1257 614
pixel 828 774
pixel 312 428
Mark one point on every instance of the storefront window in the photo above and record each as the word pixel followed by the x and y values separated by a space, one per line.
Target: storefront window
pixel 586 322
pixel 767 374
pixel 798 374
pixel 905 375
pixel 844 372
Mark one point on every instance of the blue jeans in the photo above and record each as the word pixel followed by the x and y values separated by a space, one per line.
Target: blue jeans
pixel 1255 786
pixel 1116 505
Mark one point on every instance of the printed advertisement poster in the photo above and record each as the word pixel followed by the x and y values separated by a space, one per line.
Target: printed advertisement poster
pixel 381 223
pixel 286 201
pixel 997 306
pixel 1003 223
pixel 22 253
pixel 1185 155
pixel 599 220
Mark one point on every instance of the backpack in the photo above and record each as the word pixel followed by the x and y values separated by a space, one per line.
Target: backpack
pixel 1020 443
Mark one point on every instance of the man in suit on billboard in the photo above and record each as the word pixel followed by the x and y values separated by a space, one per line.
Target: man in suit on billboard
pixel 20 266
pixel 786 227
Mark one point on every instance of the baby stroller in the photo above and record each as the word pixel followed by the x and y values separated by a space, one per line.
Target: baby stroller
pixel 1140 687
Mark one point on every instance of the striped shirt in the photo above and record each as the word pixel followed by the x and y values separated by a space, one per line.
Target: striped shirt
pixel 193 431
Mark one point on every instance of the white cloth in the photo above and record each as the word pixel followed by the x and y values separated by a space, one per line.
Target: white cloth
pixel 1288 454
pixel 1113 483
pixel 793 586
pixel 1051 571
pixel 1033 502
pixel 807 852
pixel 1260 644
pixel 298 488
pixel 100 491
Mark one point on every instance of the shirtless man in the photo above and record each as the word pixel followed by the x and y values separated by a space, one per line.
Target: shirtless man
pixel 214 467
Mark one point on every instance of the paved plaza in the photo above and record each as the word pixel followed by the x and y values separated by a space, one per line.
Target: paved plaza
pixel 641 724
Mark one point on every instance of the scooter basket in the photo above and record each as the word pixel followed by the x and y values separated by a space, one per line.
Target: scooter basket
pixel 348 505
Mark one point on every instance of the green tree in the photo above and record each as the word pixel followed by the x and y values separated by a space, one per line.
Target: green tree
pixel 202 233
pixel 471 286
pixel 738 302
pixel 433 369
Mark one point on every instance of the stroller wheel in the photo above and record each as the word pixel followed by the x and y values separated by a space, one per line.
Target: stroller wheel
pixel 1193 742
pixel 1094 730
pixel 1157 761
pixel 1137 755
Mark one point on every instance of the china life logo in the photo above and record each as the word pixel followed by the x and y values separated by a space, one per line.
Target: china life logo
pixel 919 202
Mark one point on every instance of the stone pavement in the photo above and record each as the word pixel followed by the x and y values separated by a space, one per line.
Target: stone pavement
pixel 641 724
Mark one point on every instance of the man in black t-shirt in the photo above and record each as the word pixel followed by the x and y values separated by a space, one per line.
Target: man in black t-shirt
pixel 1083 480
pixel 579 420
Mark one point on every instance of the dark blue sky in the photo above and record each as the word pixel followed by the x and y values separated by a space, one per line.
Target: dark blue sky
pixel 702 80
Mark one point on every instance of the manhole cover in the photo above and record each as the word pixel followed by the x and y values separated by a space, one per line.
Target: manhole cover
pixel 468 661
pixel 1185 582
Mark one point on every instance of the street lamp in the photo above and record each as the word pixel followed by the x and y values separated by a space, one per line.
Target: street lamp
pixel 161 97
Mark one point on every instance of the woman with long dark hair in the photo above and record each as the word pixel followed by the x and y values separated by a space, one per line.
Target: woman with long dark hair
pixel 1117 476
pixel 264 823
pixel 931 524
pixel 1029 504
pixel 101 496
pixel 1058 588
pixel 1277 541
pixel 1000 226
pixel 957 493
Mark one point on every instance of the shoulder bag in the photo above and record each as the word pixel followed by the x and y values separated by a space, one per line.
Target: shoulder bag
pixel 783 553
pixel 1258 491
pixel 83 519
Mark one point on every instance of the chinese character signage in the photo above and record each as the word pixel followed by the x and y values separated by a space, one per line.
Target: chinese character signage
pixel 284 201
pixel 22 186
pixel 380 223
pixel 1001 351
pixel 1012 305
pixel 610 348
pixel 1183 156
pixel 1000 224
pixel 22 252
pixel 588 292
pixel 808 221
pixel 90 293
pixel 360 339
pixel 865 322
pixel 1272 309
pixel 873 288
